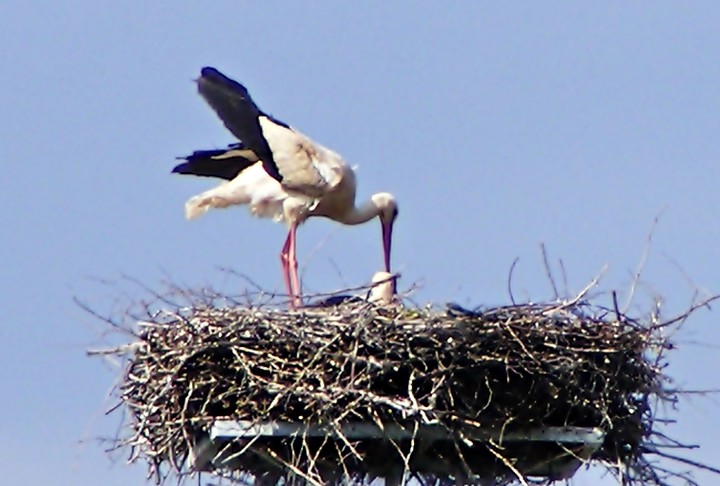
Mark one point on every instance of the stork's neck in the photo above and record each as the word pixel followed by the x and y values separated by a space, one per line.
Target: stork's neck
pixel 361 214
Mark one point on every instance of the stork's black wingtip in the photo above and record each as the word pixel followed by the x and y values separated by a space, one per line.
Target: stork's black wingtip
pixel 211 77
pixel 209 71
pixel 208 74
pixel 180 168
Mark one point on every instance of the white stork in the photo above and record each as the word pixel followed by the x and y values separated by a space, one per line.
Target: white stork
pixel 278 172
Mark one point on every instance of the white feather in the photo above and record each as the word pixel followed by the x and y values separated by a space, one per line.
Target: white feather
pixel 253 187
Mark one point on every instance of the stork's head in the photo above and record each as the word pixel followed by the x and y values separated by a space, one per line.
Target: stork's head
pixel 387 212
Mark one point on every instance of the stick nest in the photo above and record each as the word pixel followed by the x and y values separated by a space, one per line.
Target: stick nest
pixel 505 369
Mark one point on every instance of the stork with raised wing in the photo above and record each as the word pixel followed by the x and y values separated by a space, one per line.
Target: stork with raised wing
pixel 279 173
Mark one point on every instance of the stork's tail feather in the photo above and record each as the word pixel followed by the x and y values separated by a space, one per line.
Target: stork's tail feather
pixel 196 206
pixel 217 197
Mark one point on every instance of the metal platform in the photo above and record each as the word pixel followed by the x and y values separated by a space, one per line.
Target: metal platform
pixel 223 429
pixel 564 448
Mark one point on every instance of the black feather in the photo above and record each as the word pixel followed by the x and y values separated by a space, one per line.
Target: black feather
pixel 239 113
pixel 222 163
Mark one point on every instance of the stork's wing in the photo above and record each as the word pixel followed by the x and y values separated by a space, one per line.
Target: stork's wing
pixel 239 113
pixel 306 166
pixel 223 163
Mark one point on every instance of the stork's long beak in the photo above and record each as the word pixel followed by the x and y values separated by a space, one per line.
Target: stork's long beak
pixel 387 228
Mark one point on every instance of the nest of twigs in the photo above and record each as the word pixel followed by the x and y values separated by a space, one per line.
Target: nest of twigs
pixel 501 371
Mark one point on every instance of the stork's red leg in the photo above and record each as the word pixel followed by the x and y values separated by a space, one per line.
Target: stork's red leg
pixel 289 264
pixel 284 260
pixel 292 261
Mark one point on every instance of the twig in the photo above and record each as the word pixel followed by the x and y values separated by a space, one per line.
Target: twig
pixel 548 271
pixel 509 279
pixel 641 263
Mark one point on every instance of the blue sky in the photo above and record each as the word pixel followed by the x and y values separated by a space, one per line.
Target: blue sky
pixel 498 126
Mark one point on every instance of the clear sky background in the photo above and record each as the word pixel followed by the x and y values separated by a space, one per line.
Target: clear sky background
pixel 499 126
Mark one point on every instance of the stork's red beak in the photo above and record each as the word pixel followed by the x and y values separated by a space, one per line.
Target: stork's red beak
pixel 387 227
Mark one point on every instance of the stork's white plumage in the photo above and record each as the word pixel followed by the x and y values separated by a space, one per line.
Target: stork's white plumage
pixel 279 173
